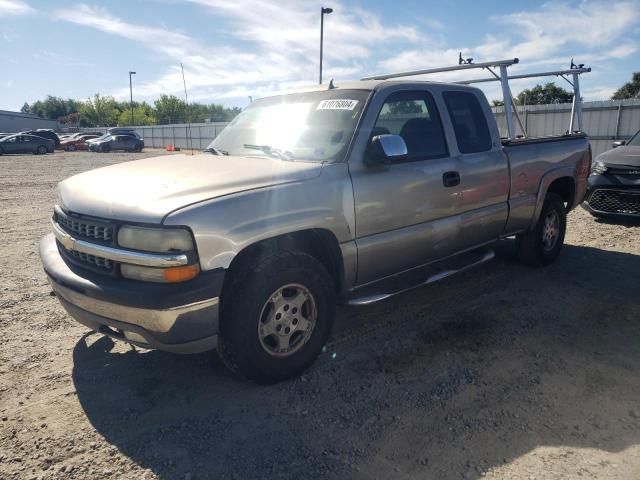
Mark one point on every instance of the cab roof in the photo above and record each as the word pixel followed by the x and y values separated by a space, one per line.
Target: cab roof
pixel 368 85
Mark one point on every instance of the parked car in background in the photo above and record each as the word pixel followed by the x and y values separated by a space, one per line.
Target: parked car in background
pixel 116 131
pixel 44 133
pixel 614 183
pixel 128 143
pixel 74 143
pixel 19 143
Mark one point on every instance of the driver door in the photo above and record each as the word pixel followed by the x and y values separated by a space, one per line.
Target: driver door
pixel 406 213
pixel 11 145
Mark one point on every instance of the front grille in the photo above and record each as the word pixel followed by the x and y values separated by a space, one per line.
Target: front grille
pixel 616 201
pixel 99 264
pixel 88 229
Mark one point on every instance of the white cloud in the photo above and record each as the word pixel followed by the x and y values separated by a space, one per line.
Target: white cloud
pixel 14 7
pixel 270 45
pixel 598 92
pixel 283 46
pixel 173 44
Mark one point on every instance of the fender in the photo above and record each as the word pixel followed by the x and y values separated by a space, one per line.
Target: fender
pixel 546 180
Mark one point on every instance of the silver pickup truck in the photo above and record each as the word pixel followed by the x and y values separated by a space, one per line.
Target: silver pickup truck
pixel 353 193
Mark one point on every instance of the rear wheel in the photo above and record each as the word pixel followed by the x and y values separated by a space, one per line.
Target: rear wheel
pixel 137 148
pixel 276 317
pixel 41 150
pixel 542 245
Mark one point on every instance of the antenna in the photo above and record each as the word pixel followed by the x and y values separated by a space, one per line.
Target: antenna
pixel 186 99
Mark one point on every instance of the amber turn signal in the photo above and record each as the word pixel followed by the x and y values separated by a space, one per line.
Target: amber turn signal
pixel 181 274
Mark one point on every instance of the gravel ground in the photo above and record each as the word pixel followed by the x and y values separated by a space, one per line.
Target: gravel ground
pixel 503 372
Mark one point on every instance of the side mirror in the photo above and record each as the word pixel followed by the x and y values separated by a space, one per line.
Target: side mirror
pixel 387 149
pixel 618 143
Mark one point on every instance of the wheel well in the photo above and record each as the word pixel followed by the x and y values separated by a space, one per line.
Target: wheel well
pixel 566 188
pixel 319 243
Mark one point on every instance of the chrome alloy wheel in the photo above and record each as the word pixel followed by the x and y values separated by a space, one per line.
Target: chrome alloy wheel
pixel 287 320
pixel 550 230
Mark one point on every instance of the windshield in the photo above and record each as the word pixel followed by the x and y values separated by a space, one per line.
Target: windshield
pixel 315 126
pixel 635 140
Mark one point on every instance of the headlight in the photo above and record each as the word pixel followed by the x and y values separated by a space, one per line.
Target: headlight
pixel 598 168
pixel 160 240
pixel 161 275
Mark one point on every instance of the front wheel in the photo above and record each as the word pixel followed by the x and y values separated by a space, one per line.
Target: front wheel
pixel 276 317
pixel 106 149
pixel 41 150
pixel 71 148
pixel 542 245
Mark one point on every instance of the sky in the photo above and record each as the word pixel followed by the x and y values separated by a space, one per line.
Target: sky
pixel 233 49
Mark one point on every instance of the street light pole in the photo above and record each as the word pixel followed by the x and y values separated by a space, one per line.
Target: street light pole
pixel 131 93
pixel 323 11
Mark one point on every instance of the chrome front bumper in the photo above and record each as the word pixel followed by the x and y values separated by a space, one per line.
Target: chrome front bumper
pixel 180 318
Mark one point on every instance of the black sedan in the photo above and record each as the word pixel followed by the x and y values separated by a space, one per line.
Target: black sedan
pixel 614 183
pixel 25 144
pixel 45 133
pixel 128 143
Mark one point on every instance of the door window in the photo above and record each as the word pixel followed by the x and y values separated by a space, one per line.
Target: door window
pixel 469 122
pixel 413 115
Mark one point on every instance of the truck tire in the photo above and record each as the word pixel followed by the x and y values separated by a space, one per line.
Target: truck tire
pixel 276 317
pixel 542 245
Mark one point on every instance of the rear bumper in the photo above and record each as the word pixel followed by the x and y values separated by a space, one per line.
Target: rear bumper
pixel 179 318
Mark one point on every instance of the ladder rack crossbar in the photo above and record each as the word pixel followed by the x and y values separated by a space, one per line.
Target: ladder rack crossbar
pixel 556 73
pixel 503 78
pixel 466 66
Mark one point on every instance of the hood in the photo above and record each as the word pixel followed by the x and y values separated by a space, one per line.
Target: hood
pixel 625 155
pixel 147 190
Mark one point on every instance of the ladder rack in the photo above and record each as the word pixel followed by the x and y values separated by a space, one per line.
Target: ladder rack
pixel 503 78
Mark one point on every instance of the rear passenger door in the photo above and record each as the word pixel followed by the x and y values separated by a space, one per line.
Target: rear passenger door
pixel 117 143
pixel 405 215
pixel 482 166
pixel 28 144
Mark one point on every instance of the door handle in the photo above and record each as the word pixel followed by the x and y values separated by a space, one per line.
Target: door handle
pixel 450 179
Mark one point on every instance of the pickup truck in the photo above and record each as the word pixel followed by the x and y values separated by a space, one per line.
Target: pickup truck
pixel 352 192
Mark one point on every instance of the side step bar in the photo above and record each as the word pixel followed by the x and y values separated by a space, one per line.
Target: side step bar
pixel 374 298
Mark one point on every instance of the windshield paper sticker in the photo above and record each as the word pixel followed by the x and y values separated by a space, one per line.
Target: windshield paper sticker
pixel 337 104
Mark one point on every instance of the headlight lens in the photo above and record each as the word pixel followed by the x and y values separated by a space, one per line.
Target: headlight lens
pixel 598 168
pixel 160 240
pixel 160 275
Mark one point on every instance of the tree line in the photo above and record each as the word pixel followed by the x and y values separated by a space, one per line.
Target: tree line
pixel 105 111
pixel 551 93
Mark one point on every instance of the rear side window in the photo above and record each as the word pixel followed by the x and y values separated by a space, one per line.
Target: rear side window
pixel 469 122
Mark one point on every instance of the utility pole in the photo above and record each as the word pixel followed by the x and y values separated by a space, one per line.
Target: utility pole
pixel 131 93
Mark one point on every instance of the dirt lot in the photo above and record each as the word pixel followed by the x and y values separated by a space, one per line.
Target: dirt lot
pixel 505 372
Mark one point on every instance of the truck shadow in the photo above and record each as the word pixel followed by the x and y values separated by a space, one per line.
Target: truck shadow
pixel 447 380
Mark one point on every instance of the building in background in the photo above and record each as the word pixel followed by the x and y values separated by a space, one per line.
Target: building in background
pixel 17 122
